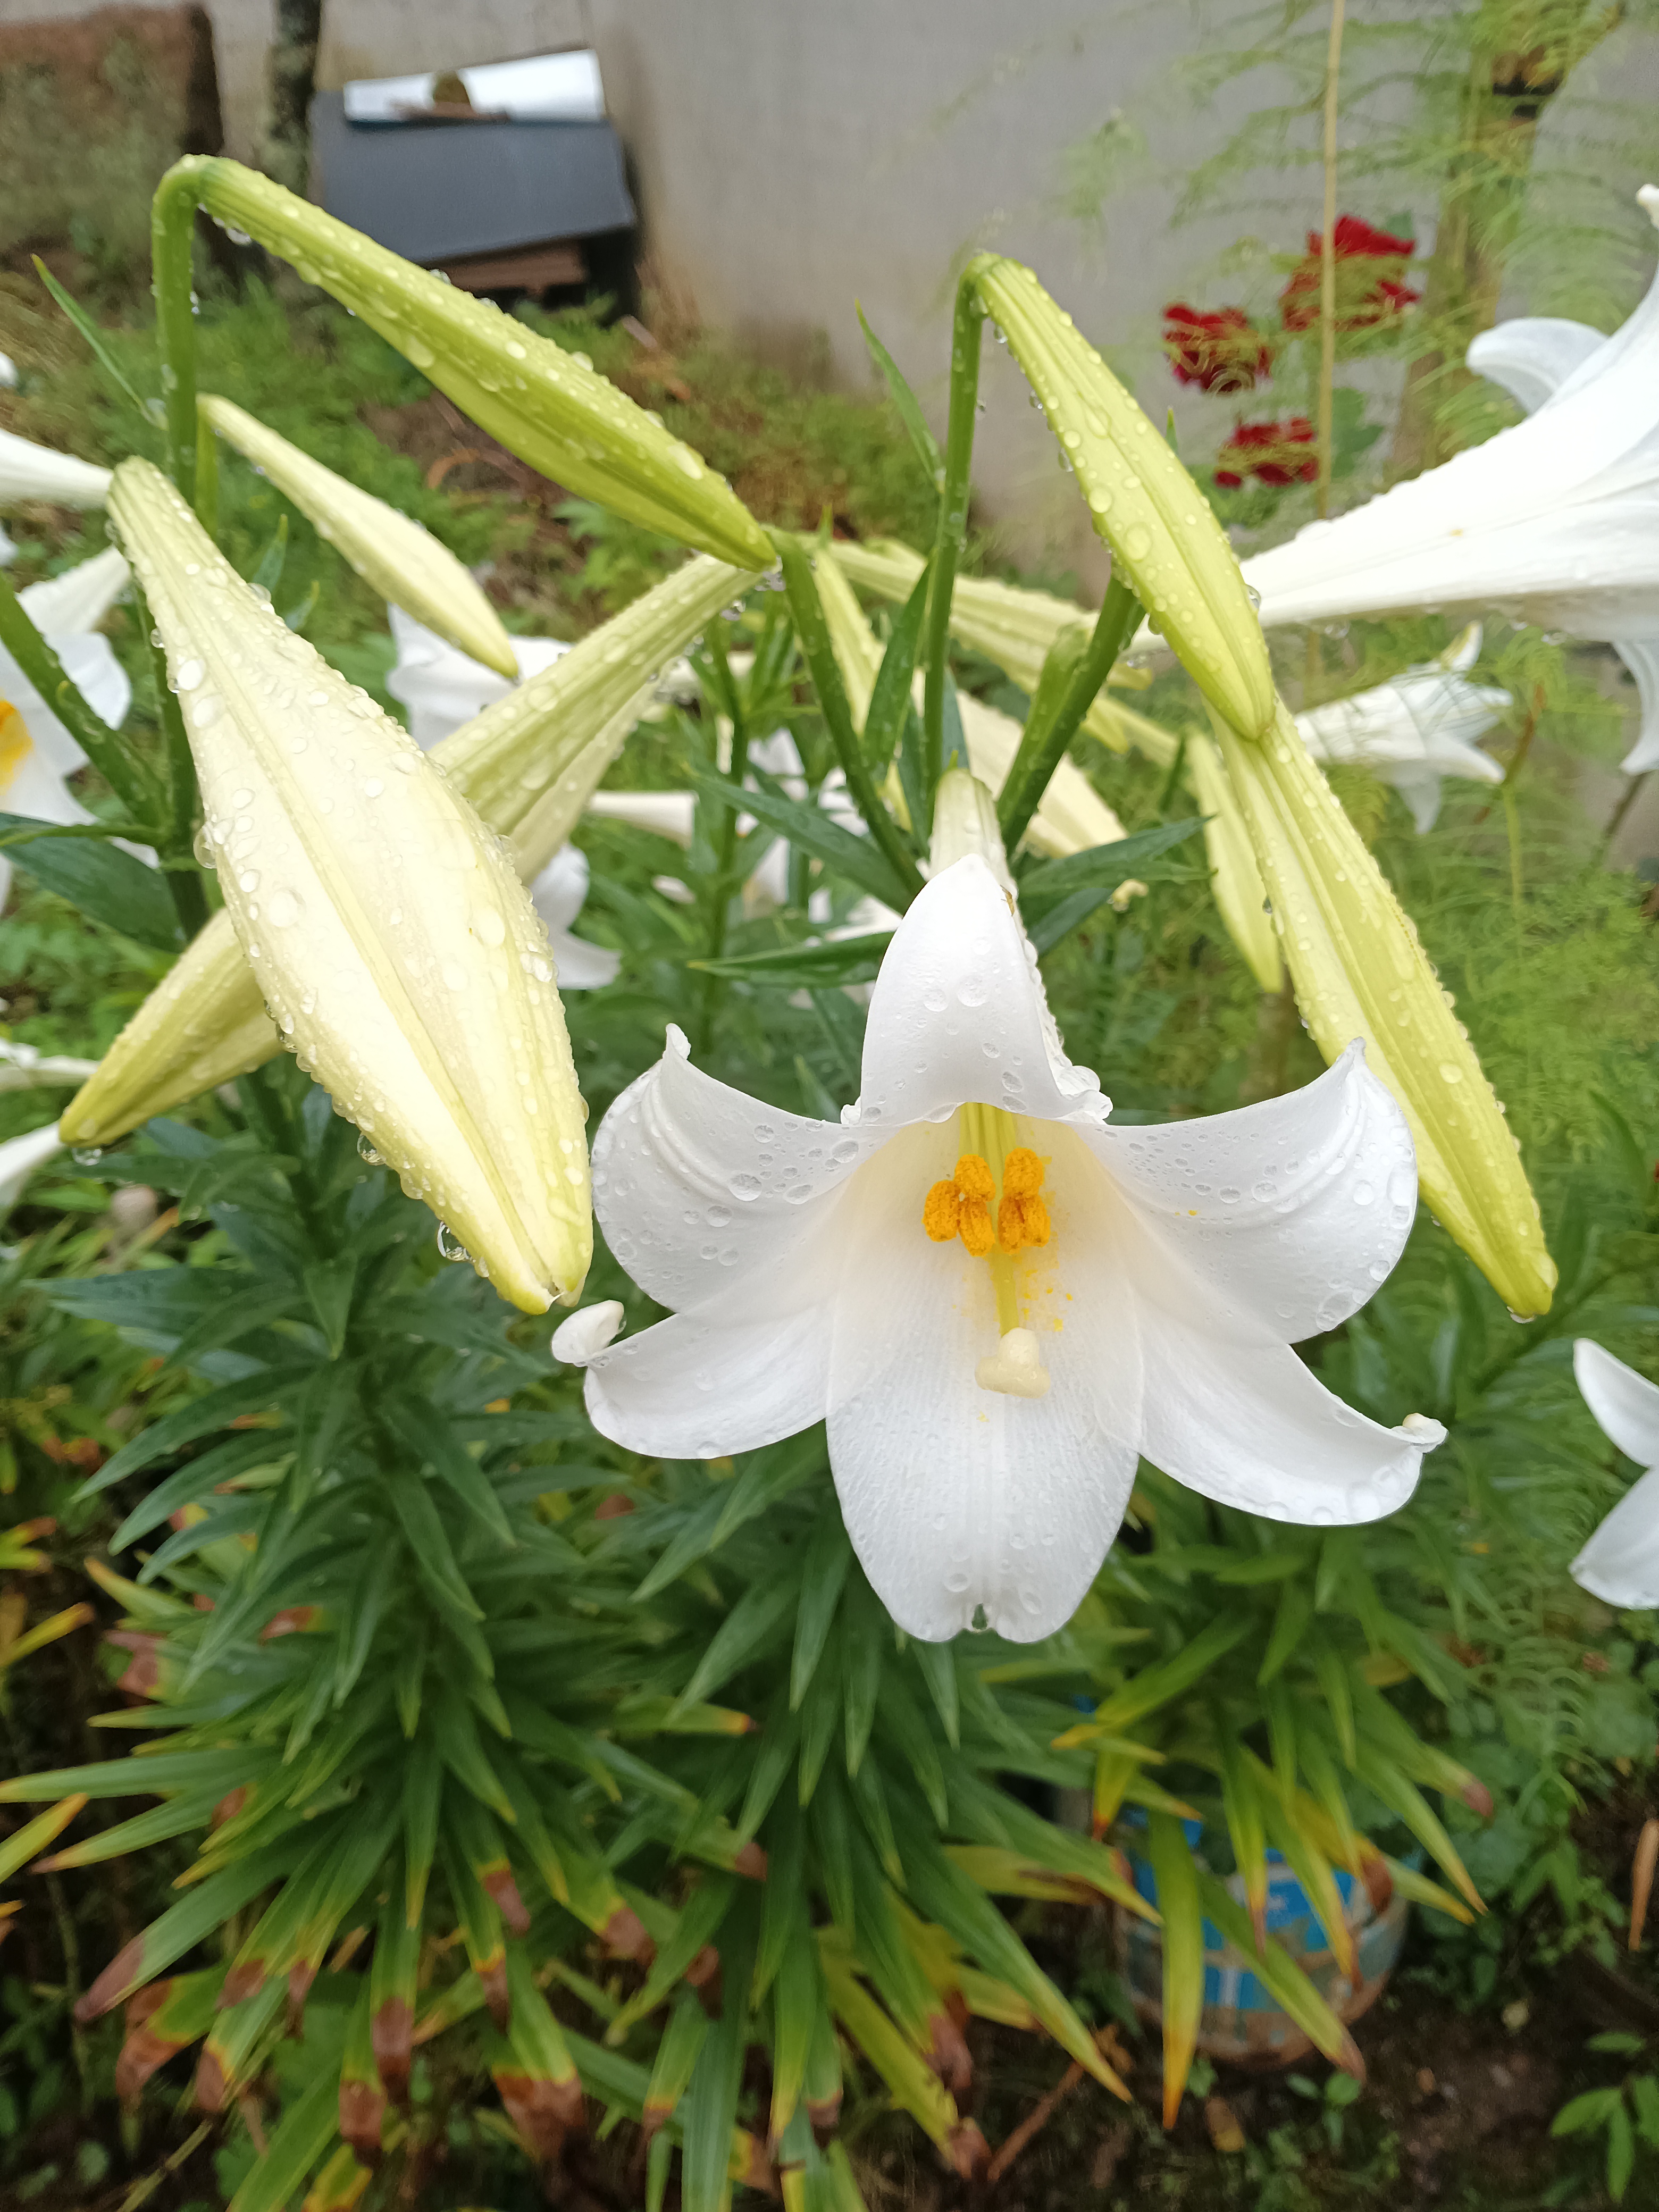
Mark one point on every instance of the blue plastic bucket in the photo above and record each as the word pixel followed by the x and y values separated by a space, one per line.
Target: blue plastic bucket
pixel 1242 2023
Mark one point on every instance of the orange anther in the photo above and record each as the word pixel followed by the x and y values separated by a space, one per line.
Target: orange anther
pixel 1022 1174
pixel 974 1179
pixel 940 1210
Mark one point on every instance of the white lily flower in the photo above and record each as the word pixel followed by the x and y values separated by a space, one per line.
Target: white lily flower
pixel 1535 357
pixel 1555 520
pixel 37 752
pixel 1416 728
pixel 1620 1563
pixel 997 1306
pixel 30 472
pixel 19 1158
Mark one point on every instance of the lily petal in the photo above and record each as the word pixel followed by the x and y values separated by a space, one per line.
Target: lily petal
pixel 1626 1404
pixel 19 1158
pixel 1620 1563
pixel 1532 357
pixel 958 1014
pixel 1551 519
pixel 443 686
pixel 679 1148
pixel 960 1500
pixel 558 895
pixel 1245 1423
pixel 670 814
pixel 32 471
pixel 1291 1211
pixel 81 597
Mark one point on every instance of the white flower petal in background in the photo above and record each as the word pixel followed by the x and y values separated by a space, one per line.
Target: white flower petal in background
pixel 29 471
pixel 19 1156
pixel 1535 357
pixel 987 1392
pixel 671 814
pixel 443 687
pixel 37 752
pixel 1620 1563
pixel 1419 727
pixel 8 373
pixel 1555 520
pixel 557 895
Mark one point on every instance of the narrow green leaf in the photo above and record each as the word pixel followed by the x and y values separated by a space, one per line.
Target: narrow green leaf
pixel 929 451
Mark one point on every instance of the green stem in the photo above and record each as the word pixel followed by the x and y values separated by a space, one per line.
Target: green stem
pixel 952 526
pixel 1039 755
pixel 173 238
pixel 726 844
pixel 207 475
pixel 813 631
pixel 120 768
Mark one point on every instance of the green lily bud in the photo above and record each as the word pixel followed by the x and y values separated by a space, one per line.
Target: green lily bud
pixel 528 765
pixel 1359 971
pixel 1235 879
pixel 544 404
pixel 1141 500
pixel 395 949
pixel 402 560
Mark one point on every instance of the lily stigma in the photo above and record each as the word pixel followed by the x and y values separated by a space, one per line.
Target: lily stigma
pixel 997 1308
pixel 993 1201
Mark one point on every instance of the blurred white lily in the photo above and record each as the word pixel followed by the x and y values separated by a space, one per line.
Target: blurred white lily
pixel 558 895
pixel 1416 728
pixel 1555 519
pixel 37 753
pixel 1620 1563
pixel 1535 357
pixel 384 925
pixel 19 1156
pixel 29 471
pixel 996 1306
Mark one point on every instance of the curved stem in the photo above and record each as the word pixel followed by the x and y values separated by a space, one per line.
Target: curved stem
pixel 172 237
pixel 952 527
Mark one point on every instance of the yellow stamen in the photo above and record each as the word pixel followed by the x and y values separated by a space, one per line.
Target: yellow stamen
pixel 962 1207
pixel 15 743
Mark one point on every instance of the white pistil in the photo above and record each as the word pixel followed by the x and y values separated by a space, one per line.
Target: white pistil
pixel 1014 1370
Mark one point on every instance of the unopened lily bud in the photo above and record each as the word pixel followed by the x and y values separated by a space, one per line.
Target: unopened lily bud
pixel 402 560
pixel 1359 971
pixel 528 764
pixel 1235 879
pixel 545 404
pixel 1164 538
pixel 397 950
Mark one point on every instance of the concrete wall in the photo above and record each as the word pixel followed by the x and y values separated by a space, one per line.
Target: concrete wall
pixel 792 155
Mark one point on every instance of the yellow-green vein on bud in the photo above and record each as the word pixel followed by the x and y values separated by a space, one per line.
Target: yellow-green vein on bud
pixel 1141 500
pixel 528 764
pixel 1359 971
pixel 1014 627
pixel 400 557
pixel 395 949
pixel 1235 879
pixel 545 404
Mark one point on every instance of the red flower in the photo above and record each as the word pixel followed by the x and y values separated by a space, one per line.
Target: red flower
pixel 1370 264
pixel 1274 452
pixel 1219 352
